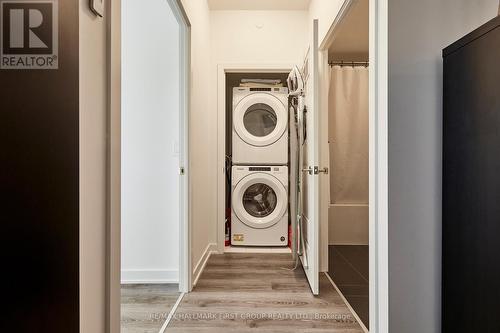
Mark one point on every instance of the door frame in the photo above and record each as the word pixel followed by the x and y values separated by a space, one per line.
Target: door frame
pixel 379 166
pixel 185 272
pixel 222 69
pixel 378 159
pixel 378 100
pixel 113 228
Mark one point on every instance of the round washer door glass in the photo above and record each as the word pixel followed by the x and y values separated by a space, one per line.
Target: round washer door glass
pixel 259 200
pixel 260 119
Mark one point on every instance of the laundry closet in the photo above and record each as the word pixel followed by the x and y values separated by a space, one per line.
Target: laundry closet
pixel 257 160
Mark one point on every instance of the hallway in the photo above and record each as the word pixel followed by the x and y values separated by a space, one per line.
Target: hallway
pixel 244 292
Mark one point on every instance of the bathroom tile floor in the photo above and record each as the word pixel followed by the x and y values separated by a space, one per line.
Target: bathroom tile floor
pixel 348 268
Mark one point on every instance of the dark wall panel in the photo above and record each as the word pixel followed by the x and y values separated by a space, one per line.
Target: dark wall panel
pixel 471 183
pixel 39 197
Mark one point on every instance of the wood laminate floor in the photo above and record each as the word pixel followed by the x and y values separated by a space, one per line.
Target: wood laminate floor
pixel 145 307
pixel 248 292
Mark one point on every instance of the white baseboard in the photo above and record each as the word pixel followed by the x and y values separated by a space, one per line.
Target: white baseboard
pixel 256 249
pixel 200 265
pixel 348 243
pixel 149 276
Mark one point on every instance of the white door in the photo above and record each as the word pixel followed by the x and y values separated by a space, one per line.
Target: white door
pixel 310 161
pixel 152 144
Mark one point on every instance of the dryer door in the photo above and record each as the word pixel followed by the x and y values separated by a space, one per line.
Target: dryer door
pixel 259 200
pixel 260 119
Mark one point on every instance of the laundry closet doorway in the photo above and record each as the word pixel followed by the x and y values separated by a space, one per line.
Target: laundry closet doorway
pixel 308 258
pixel 229 76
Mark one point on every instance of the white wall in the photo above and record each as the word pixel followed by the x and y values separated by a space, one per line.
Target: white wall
pixel 325 11
pixel 203 135
pixel 150 141
pixel 418 30
pixel 93 115
pixel 253 37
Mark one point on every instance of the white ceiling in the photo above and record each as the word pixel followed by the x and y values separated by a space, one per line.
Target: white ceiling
pixel 258 4
pixel 352 37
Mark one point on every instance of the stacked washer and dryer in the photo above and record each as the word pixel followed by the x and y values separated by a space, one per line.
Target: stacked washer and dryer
pixel 259 180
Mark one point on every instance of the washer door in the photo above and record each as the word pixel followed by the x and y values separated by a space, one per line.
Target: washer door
pixel 260 119
pixel 259 200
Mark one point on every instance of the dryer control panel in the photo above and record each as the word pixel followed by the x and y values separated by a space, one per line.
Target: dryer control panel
pixel 259 169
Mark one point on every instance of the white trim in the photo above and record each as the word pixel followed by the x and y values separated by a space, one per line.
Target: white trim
pixel 324 159
pixel 152 276
pixel 256 249
pixel 200 266
pixel 360 322
pixel 332 31
pixel 222 69
pixel 379 194
pixel 185 278
pixel 171 313
pixel 113 204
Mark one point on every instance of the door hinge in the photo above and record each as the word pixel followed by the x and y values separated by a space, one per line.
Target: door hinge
pixel 182 171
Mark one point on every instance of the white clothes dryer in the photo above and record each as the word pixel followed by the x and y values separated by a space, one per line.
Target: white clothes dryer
pixel 259 206
pixel 260 126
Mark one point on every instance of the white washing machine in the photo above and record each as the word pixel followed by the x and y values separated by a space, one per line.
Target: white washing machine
pixel 259 206
pixel 260 126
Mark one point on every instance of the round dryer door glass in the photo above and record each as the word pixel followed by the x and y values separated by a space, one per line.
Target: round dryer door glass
pixel 260 119
pixel 259 200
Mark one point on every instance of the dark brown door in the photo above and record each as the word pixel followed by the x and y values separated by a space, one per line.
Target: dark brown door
pixel 39 166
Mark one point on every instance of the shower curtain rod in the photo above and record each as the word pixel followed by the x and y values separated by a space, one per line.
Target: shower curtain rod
pixel 348 63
